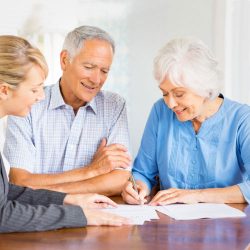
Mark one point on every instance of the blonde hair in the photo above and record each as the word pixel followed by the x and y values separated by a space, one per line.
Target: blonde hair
pixel 17 56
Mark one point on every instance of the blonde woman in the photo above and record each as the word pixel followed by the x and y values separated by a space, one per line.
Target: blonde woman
pixel 23 70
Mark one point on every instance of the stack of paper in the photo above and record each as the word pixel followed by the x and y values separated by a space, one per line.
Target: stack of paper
pixel 141 213
pixel 199 211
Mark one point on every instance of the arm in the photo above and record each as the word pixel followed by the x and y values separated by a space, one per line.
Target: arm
pixel 32 211
pixel 106 159
pixel 145 168
pixel 230 194
pixel 34 197
pixel 112 181
pixel 238 193
pixel 107 184
pixel 19 216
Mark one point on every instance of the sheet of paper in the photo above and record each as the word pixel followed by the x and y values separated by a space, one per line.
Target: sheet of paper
pixel 200 210
pixel 137 213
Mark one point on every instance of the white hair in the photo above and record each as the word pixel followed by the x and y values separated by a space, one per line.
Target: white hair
pixel 74 40
pixel 188 62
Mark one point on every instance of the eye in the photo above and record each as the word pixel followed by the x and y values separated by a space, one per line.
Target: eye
pixel 179 94
pixel 34 91
pixel 165 94
pixel 105 71
pixel 88 67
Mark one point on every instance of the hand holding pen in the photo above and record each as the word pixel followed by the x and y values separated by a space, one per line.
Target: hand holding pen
pixel 135 192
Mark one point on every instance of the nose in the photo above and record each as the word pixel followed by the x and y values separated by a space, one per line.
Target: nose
pixel 41 95
pixel 170 101
pixel 95 77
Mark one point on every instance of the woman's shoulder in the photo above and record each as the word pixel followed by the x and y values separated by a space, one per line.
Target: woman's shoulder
pixel 236 110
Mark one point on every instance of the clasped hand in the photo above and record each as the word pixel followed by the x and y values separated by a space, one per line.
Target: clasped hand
pixel 107 158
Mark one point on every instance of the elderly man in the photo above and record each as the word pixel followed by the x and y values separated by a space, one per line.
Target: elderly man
pixel 76 140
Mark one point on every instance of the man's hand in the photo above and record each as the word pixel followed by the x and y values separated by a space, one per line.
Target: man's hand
pixel 107 158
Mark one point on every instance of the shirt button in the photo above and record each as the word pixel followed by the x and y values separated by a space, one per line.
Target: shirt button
pixel 193 161
pixel 195 149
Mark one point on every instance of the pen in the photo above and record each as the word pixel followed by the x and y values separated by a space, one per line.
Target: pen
pixel 131 178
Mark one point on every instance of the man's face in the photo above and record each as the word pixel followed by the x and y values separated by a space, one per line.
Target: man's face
pixel 84 74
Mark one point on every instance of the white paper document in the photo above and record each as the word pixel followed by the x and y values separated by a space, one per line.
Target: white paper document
pixel 137 213
pixel 199 211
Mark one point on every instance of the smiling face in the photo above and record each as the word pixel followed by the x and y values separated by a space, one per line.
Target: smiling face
pixel 84 74
pixel 186 104
pixel 19 100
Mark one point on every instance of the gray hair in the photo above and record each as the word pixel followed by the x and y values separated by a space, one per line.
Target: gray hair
pixel 75 39
pixel 188 62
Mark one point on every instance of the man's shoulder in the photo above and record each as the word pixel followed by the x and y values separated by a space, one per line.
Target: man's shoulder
pixel 109 98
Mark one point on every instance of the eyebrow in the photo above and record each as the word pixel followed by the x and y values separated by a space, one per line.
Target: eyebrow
pixel 173 89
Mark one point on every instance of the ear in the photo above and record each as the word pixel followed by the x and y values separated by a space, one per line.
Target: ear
pixel 5 91
pixel 64 59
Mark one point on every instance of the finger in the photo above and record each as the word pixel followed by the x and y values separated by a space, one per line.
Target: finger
pixel 142 196
pixel 105 200
pixel 166 198
pixel 160 194
pixel 116 220
pixel 113 219
pixel 116 146
pixel 120 164
pixel 168 201
pixel 131 191
pixel 97 217
pixel 113 163
pixel 102 144
pixel 100 205
pixel 116 153
pixel 130 196
pixel 111 157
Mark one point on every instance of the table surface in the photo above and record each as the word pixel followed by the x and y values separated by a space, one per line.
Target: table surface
pixel 165 233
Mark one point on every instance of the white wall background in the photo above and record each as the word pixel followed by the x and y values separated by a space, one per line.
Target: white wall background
pixel 139 27
pixel 151 24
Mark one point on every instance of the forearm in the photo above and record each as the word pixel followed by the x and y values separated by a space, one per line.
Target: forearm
pixel 107 184
pixel 230 194
pixel 19 217
pixel 24 178
pixel 35 197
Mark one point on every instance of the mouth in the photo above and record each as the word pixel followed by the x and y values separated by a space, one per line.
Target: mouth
pixel 179 112
pixel 87 86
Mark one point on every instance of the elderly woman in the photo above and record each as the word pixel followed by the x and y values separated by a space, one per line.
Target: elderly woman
pixel 23 70
pixel 196 141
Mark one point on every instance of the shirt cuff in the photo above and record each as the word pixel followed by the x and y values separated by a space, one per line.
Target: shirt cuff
pixel 245 189
pixel 139 177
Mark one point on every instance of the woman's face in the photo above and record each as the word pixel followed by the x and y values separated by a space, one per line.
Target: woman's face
pixel 27 93
pixel 186 104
